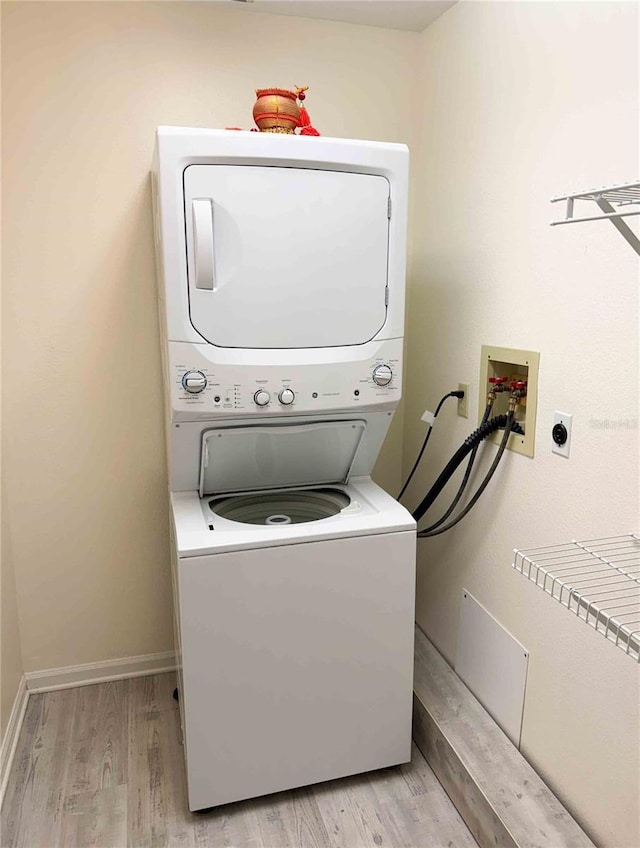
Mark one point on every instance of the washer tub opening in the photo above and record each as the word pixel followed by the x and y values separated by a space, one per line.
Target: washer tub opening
pixel 278 508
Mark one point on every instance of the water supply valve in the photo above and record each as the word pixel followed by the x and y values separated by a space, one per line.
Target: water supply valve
pixel 517 391
pixel 496 385
pixel 518 388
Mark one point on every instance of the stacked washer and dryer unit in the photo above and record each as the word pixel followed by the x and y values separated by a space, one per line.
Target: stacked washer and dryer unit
pixel 281 264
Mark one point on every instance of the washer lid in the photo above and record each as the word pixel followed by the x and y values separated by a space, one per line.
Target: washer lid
pixel 273 456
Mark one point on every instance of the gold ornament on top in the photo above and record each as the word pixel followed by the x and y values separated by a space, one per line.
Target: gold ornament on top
pixel 276 110
pixel 279 110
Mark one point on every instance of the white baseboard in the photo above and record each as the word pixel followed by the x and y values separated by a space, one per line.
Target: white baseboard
pixel 10 738
pixel 99 672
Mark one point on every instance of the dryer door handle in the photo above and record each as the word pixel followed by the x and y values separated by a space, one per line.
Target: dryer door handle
pixel 203 244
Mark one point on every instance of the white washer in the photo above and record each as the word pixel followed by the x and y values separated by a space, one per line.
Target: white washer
pixel 281 276
pixel 295 640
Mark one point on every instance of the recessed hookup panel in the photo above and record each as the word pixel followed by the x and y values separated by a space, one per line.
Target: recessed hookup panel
pixel 515 365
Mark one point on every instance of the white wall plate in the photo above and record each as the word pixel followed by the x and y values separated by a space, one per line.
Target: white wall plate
pixel 492 664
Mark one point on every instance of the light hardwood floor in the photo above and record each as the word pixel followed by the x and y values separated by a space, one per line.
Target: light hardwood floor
pixel 102 766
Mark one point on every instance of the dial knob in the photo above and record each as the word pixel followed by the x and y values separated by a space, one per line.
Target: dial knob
pixel 194 382
pixel 261 397
pixel 382 375
pixel 286 397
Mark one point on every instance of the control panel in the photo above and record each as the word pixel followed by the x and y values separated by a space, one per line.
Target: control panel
pixel 200 387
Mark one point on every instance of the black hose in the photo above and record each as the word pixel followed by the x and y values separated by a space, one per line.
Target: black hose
pixel 426 440
pixel 467 446
pixel 467 475
pixel 432 531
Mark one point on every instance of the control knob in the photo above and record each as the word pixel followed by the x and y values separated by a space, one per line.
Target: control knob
pixel 194 382
pixel 286 397
pixel 382 375
pixel 261 398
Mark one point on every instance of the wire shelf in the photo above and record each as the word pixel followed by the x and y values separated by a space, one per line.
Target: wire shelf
pixel 598 580
pixel 614 203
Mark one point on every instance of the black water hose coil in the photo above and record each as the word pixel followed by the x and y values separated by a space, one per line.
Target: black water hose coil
pixel 471 442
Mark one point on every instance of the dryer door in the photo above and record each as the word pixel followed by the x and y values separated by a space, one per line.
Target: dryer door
pixel 285 257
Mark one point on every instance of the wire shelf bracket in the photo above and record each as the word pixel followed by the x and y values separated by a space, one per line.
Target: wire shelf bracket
pixel 622 196
pixel 598 580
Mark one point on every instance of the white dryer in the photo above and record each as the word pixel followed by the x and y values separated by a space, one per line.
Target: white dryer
pixel 281 278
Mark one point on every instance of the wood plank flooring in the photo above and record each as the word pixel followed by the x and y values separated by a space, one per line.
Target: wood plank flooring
pixel 102 766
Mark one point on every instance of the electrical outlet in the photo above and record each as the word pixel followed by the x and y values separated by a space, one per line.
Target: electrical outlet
pixel 463 403
pixel 561 433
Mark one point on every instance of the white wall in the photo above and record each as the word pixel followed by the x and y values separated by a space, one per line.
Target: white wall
pixel 520 102
pixel 84 87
